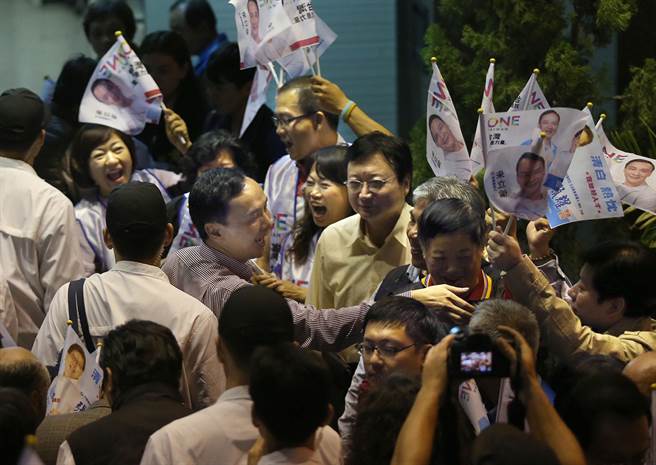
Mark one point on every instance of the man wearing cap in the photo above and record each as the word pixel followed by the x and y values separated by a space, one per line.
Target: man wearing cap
pixel 135 287
pixel 252 317
pixel 37 222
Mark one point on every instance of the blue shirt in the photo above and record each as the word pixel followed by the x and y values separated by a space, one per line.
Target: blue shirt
pixel 206 53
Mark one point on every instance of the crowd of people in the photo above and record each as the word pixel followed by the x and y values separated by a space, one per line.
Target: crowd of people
pixel 279 296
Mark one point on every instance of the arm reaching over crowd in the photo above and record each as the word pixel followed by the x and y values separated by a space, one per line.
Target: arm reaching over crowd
pixel 333 100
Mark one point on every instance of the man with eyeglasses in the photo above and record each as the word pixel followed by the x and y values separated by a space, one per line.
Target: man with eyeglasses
pixel 355 254
pixel 306 118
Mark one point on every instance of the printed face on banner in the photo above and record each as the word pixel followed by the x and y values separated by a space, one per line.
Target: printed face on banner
pixel 635 181
pixel 74 362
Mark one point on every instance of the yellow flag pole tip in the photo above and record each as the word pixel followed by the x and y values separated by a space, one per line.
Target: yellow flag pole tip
pixel 589 105
pixel 493 60
pixel 69 322
pixel 653 387
pixel 118 33
pixel 433 60
pixel 543 134
pixel 30 440
pixel 480 110
pixel 536 70
pixel 99 344
pixel 602 116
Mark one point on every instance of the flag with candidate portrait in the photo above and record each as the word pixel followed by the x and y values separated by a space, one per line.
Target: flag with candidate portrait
pixel 632 174
pixel 487 105
pixel 79 379
pixel 300 62
pixel 445 147
pixel 588 191
pixel 527 154
pixel 121 94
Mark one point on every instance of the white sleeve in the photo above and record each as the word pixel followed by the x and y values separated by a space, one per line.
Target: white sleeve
pixel 52 333
pixel 65 455
pixel 159 452
pixel 8 316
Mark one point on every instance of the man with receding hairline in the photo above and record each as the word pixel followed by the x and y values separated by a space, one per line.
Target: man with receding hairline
pixel 21 370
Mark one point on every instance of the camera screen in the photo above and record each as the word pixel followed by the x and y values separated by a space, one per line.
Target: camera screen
pixel 476 362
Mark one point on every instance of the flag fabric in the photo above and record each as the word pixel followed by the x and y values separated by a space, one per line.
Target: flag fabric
pixel 299 63
pixel 79 380
pixel 588 191
pixel 632 174
pixel 121 94
pixel 472 404
pixel 28 455
pixel 531 97
pixel 5 337
pixel 445 147
pixel 257 96
pixel 268 30
pixel 487 105
pixel 521 165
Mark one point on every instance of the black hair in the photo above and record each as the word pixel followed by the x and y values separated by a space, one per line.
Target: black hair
pixel 641 160
pixel 28 376
pixel 547 112
pixel 421 325
pixel 624 269
pixel 600 396
pixel 102 9
pixel 196 13
pixel 17 420
pixel 531 157
pixel 290 388
pixel 206 148
pixel 447 216
pixel 394 150
pixel 168 43
pixel 381 413
pixel 330 164
pixel 224 66
pixel 140 352
pixel 307 101
pixel 70 87
pixel 87 138
pixel 138 246
pixel 211 195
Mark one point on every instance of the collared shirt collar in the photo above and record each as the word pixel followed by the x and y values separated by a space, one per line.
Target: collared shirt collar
pixel 128 266
pixel 6 162
pixel 235 393
pixel 241 269
pixel 482 290
pixel 399 232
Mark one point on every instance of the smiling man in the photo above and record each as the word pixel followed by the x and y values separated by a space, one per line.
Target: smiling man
pixel 635 190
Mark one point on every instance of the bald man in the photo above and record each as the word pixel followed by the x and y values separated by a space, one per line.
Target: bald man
pixel 642 371
pixel 21 370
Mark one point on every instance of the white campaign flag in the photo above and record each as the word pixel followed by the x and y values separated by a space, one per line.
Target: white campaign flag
pixel 5 338
pixel 257 96
pixel 121 94
pixel 632 174
pixel 300 62
pixel 588 191
pixel 487 105
pixel 445 147
pixel 521 165
pixel 78 382
pixel 531 97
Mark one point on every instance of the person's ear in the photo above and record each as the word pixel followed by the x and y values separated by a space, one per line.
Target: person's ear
pixel 319 119
pixel 406 185
pixel 213 229
pixel 617 307
pixel 108 239
pixel 168 235
pixel 424 350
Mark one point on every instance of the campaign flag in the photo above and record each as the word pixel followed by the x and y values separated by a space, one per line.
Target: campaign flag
pixel 257 96
pixel 588 191
pixel 632 174
pixel 8 316
pixel 531 97
pixel 299 63
pixel 78 382
pixel 5 337
pixel 472 404
pixel 28 455
pixel 121 94
pixel 487 106
pixel 445 147
pixel 268 30
pixel 528 153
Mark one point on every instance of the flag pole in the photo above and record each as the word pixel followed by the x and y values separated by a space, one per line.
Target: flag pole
pixel 181 138
pixel 602 117
pixel 316 60
pixel 307 61
pixel 275 75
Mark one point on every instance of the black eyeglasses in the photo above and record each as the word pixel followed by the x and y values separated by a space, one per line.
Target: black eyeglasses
pixel 287 120
pixel 367 349
pixel 374 185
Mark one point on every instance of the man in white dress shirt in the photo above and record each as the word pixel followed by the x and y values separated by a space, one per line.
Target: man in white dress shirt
pixel 37 223
pixel 135 287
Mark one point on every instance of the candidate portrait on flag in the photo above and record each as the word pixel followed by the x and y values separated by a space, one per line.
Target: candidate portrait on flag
pixel 638 187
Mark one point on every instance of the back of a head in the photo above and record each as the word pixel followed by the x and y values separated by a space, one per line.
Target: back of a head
pixel 211 195
pixel 381 413
pixel 307 101
pixel 196 13
pixel 224 67
pixel 141 352
pixel 450 215
pixel 503 444
pixel 168 43
pixel 598 397
pixel 624 269
pixel 422 325
pixel 21 370
pixel 17 420
pixel 489 314
pixel 22 117
pixel 206 148
pixel 70 87
pixel 441 187
pixel 100 10
pixel 290 388
pixel 254 316
pixel 395 151
pixel 136 220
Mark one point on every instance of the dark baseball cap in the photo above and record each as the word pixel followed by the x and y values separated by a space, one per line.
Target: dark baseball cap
pixel 256 315
pixel 22 115
pixel 136 208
